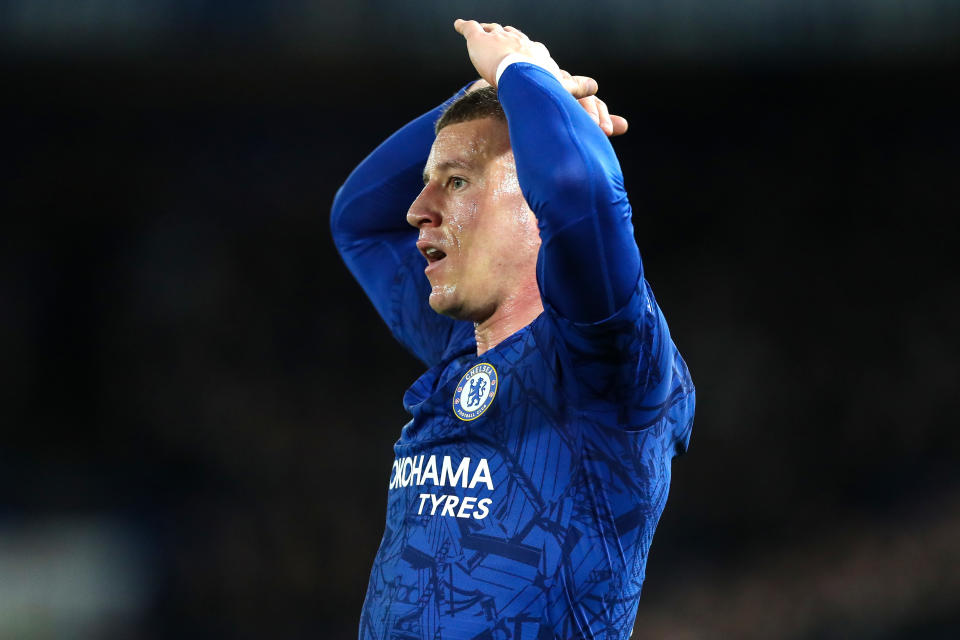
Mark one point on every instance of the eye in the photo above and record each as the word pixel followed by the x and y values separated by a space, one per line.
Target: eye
pixel 457 183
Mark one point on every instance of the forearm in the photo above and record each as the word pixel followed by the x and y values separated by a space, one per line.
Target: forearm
pixel 589 264
pixel 375 197
pixel 369 228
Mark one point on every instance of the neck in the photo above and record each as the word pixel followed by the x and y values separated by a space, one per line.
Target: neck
pixel 510 316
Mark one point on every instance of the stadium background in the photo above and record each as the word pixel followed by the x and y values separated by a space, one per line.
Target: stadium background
pixel 199 404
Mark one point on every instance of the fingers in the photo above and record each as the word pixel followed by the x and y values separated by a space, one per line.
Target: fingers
pixel 485 52
pixel 590 106
pixel 598 111
pixel 467 28
pixel 579 86
pixel 604 114
pixel 619 125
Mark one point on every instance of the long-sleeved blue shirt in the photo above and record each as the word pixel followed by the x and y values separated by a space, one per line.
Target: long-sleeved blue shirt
pixel 527 485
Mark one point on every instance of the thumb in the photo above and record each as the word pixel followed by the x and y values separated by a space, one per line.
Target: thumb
pixel 467 28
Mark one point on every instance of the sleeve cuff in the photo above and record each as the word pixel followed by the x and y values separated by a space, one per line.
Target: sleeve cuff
pixel 519 57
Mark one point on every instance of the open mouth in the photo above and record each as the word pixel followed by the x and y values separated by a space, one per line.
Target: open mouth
pixel 433 254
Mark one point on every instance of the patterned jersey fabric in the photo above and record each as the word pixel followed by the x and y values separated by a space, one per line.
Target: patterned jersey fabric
pixel 528 483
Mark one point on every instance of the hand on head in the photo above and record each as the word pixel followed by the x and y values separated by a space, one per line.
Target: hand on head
pixel 489 43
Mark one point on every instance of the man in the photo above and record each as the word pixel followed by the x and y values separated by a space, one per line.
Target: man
pixel 527 486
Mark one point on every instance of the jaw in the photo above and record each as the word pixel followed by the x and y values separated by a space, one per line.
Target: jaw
pixel 442 299
pixel 448 300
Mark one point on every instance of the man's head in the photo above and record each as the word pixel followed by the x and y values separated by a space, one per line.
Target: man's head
pixel 476 230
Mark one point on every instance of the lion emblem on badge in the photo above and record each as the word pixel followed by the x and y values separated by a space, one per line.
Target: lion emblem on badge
pixel 475 396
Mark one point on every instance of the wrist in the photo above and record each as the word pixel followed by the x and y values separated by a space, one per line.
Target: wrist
pixel 511 58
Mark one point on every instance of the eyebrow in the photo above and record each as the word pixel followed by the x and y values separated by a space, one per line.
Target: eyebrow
pixel 448 164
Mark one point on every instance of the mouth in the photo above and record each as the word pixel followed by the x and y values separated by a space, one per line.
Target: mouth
pixel 434 255
pixel 430 252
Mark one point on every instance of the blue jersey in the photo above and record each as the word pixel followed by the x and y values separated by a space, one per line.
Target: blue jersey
pixel 527 485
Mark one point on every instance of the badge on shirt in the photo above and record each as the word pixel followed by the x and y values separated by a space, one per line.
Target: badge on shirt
pixel 475 392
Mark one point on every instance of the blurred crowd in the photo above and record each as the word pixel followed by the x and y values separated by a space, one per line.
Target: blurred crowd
pixel 200 404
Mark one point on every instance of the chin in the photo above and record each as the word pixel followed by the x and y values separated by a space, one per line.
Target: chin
pixel 443 300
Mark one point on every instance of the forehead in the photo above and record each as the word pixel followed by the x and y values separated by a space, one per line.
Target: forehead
pixel 468 145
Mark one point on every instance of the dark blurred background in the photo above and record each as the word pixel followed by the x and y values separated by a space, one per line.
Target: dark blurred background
pixel 199 404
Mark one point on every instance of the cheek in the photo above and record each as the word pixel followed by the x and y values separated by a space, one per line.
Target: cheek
pixel 508 197
pixel 518 220
pixel 462 222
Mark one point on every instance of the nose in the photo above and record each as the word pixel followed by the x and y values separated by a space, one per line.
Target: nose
pixel 424 210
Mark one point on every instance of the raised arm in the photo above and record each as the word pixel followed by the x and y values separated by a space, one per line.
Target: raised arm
pixel 589 264
pixel 589 270
pixel 368 223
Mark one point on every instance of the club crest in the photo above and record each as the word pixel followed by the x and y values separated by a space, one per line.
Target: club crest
pixel 475 392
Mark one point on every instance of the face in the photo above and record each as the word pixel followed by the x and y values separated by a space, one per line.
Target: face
pixel 477 234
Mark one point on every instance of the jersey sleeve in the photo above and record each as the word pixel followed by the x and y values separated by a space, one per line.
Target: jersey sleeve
pixel 369 228
pixel 623 367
